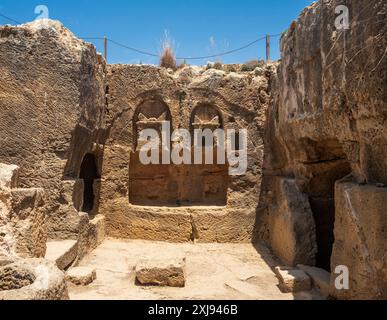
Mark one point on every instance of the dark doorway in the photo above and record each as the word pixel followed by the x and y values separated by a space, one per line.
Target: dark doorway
pixel 322 202
pixel 326 165
pixel 324 217
pixel 89 173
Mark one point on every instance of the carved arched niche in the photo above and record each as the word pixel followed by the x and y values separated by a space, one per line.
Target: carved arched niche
pixel 208 184
pixel 150 115
pixel 153 184
pixel 176 185
pixel 206 116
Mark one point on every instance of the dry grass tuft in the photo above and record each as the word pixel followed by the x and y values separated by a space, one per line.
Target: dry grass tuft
pixel 167 58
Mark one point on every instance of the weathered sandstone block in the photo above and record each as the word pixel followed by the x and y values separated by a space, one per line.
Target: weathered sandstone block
pixel 320 278
pixel 97 231
pixel 292 229
pixel 9 175
pixel 63 253
pixel 22 222
pixel 292 280
pixel 24 201
pixel 32 279
pixel 81 276
pixel 327 121
pixel 361 240
pixel 166 271
pixel 72 193
pixel 91 234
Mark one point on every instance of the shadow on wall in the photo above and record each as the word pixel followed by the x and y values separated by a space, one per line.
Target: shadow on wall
pixel 330 167
pixel 89 175
pixel 315 168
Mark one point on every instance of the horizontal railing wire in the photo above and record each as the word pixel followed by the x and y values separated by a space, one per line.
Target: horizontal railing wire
pixel 152 54
pixel 10 19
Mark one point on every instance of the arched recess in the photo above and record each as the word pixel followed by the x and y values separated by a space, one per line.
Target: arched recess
pixel 150 185
pixel 206 116
pixel 150 114
pixel 89 174
pixel 208 184
pixel 176 185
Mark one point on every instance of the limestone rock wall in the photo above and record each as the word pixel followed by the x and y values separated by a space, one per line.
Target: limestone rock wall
pixel 315 186
pixel 238 100
pixel 23 230
pixel 52 106
pixel 328 121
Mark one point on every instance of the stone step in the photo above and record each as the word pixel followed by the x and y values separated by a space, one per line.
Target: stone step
pixel 292 280
pixel 63 253
pixel 320 278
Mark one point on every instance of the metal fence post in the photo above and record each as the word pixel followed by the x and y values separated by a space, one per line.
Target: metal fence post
pixel 267 48
pixel 105 48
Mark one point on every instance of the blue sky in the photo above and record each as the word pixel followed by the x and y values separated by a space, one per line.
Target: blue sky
pixel 197 27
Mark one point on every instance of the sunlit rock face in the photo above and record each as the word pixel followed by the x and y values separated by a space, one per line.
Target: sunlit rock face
pixel 52 102
pixel 328 121
pixel 190 201
pixel 314 187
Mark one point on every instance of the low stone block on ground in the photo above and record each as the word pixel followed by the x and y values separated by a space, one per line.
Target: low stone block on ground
pixel 293 280
pixel 92 234
pixel 81 276
pixel 169 272
pixel 320 278
pixel 63 253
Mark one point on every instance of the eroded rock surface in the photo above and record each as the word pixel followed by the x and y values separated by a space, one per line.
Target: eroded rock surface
pixel 23 231
pixel 315 184
pixel 292 228
pixel 328 121
pixel 81 276
pixel 52 102
pixel 32 279
pixel 320 278
pixel 292 280
pixel 182 202
pixel 361 240
pixel 167 271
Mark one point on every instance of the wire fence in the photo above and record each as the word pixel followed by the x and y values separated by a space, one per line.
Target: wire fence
pixel 151 54
pixel 106 40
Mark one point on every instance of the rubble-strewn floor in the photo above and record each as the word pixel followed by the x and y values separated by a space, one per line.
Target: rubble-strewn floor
pixel 214 272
